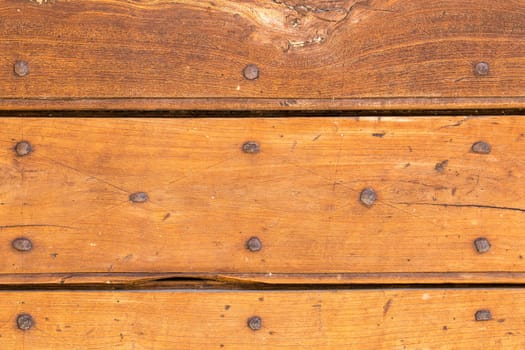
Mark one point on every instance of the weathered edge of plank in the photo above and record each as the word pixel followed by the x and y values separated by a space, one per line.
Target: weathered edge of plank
pixel 313 319
pixel 180 280
pixel 265 104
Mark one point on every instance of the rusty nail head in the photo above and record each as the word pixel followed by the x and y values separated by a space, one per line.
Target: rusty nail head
pixel 22 244
pixel 482 68
pixel 254 244
pixel 138 197
pixel 251 147
pixel 482 245
pixel 481 147
pixel 23 148
pixel 255 323
pixel 251 72
pixel 483 315
pixel 368 197
pixel 21 68
pixel 24 322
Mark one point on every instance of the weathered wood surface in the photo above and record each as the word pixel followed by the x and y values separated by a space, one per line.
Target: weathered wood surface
pixel 373 319
pixel 311 54
pixel 299 195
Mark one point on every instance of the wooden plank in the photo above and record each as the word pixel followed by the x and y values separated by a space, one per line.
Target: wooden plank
pixel 171 54
pixel 299 195
pixel 370 319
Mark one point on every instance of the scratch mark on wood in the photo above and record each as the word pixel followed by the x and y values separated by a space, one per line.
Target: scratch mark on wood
pixel 191 171
pixel 86 174
pixel 459 123
pixel 416 182
pixel 480 206
pixel 35 225
pixel 386 307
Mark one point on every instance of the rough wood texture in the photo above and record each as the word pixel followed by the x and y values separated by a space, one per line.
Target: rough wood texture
pixel 375 320
pixel 299 195
pixel 310 53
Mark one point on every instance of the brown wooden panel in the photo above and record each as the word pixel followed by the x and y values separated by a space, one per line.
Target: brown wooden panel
pixel 377 319
pixel 299 195
pixel 192 53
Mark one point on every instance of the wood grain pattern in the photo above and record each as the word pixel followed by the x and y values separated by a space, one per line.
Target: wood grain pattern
pixel 373 319
pixel 311 54
pixel 299 195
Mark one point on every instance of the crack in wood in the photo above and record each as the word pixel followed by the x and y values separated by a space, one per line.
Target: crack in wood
pixel 35 225
pixel 481 206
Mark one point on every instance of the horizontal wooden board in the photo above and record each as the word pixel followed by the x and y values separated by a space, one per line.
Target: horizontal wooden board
pixel 300 195
pixel 311 54
pixel 373 319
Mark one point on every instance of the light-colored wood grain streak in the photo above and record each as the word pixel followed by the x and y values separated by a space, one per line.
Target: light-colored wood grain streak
pixel 191 53
pixel 373 319
pixel 299 195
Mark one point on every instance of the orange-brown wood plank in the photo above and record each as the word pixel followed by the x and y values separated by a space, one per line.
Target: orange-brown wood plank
pixel 374 319
pixel 300 196
pixel 310 54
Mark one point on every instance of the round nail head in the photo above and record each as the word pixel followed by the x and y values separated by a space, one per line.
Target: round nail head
pixel 22 244
pixel 251 147
pixel 482 245
pixel 368 197
pixel 481 147
pixel 482 68
pixel 21 68
pixel 138 197
pixel 23 148
pixel 255 323
pixel 251 72
pixel 483 315
pixel 24 322
pixel 254 244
